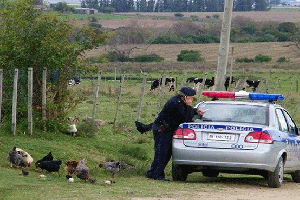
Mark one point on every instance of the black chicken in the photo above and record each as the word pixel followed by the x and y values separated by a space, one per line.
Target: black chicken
pixel 49 166
pixel 48 157
pixel 143 128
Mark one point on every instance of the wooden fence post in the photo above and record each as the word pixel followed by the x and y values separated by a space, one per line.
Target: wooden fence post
pixel 44 97
pixel 199 91
pixel 276 84
pixel 119 99
pixel 14 103
pixel 30 94
pixel 1 89
pixel 141 97
pixel 183 80
pixel 97 94
pixel 161 91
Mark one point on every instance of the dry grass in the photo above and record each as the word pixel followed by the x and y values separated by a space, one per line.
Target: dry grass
pixel 209 51
pixel 154 19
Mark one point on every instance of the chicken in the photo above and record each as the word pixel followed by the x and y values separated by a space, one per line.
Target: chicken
pixel 71 166
pixel 113 167
pixel 49 166
pixel 109 182
pixel 26 158
pixel 48 157
pixel 24 173
pixel 82 171
pixel 143 128
pixel 72 129
pixel 15 158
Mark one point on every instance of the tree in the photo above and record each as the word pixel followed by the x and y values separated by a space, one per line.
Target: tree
pixel 32 38
pixel 260 5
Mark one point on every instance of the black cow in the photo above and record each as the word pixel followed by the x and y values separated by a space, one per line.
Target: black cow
pixel 226 84
pixel 253 84
pixel 169 82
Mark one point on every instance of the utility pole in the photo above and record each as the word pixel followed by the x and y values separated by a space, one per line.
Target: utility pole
pixel 224 46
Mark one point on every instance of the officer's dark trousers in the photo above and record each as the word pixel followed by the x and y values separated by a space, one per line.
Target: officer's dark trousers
pixel 162 153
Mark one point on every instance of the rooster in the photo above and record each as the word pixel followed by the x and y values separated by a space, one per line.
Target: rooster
pixel 143 128
pixel 26 158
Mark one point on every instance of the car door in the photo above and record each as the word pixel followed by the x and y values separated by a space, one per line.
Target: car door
pixel 290 137
pixel 295 138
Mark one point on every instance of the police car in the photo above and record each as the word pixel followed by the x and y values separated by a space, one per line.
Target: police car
pixel 242 137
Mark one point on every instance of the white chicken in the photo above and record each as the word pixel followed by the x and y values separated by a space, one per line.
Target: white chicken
pixel 26 158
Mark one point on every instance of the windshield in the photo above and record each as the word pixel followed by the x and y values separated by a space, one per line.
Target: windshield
pixel 234 113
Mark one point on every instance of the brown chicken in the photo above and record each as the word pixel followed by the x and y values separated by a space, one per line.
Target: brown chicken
pixel 71 166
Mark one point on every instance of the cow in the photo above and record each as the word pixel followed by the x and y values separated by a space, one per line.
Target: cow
pixel 170 81
pixel 209 82
pixel 253 84
pixel 226 84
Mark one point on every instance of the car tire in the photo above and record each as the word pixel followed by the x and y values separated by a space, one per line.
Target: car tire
pixel 179 172
pixel 296 176
pixel 210 173
pixel 275 179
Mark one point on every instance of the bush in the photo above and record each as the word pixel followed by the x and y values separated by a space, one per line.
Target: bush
pixel 189 56
pixel 117 56
pixel 262 58
pixel 246 60
pixel 95 25
pixel 92 19
pixel 216 16
pixel 244 39
pixel 148 58
pixel 171 40
pixel 203 39
pixel 194 17
pixel 178 15
pixel 282 59
pixel 288 27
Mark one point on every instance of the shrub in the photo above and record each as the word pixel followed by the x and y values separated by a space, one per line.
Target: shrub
pixel 203 39
pixel 216 16
pixel 117 56
pixel 249 29
pixel 262 58
pixel 244 39
pixel 194 17
pixel 289 27
pixel 95 25
pixel 96 59
pixel 178 15
pixel 92 19
pixel 189 56
pixel 148 58
pixel 265 38
pixel 246 60
pixel 282 59
pixel 170 40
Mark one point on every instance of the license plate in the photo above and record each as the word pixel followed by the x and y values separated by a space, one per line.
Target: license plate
pixel 221 137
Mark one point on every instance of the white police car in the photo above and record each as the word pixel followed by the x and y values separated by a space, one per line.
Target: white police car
pixel 239 137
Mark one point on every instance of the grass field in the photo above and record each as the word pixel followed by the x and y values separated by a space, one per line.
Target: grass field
pixel 123 142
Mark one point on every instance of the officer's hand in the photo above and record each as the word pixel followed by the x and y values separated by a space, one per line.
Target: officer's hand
pixel 201 111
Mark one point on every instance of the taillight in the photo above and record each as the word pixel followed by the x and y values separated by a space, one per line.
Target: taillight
pixel 185 134
pixel 259 137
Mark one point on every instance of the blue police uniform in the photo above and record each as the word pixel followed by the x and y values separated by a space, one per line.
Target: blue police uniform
pixel 174 112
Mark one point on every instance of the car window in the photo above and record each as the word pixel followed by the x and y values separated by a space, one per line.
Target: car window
pixel 234 113
pixel 283 126
pixel 291 125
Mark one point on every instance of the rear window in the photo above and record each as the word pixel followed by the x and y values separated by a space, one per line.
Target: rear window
pixel 234 113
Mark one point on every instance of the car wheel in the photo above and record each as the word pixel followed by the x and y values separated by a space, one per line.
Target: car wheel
pixel 296 176
pixel 275 179
pixel 210 173
pixel 179 172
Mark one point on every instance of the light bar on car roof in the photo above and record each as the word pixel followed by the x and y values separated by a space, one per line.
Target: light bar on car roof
pixel 243 95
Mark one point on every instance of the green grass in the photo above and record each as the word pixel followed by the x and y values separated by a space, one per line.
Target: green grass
pixel 121 143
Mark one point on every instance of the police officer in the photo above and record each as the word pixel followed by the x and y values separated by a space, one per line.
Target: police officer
pixel 176 111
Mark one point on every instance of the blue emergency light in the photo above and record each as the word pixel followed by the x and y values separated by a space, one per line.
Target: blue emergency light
pixel 243 95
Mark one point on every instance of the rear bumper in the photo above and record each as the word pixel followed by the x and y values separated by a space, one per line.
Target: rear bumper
pixel 265 157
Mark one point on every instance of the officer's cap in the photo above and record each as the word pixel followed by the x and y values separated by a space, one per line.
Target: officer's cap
pixel 187 91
